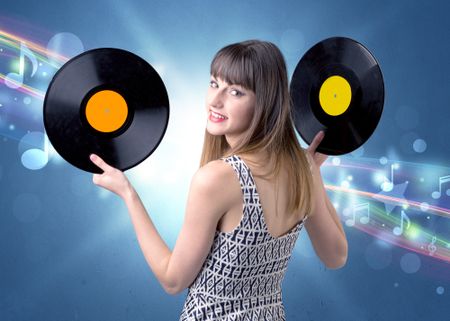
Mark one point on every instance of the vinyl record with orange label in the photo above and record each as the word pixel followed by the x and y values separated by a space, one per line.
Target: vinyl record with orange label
pixel 337 87
pixel 109 102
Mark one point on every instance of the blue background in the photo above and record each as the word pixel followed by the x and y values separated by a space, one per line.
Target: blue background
pixel 68 250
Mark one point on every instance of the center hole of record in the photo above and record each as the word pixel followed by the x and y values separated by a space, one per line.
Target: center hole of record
pixel 335 95
pixel 106 111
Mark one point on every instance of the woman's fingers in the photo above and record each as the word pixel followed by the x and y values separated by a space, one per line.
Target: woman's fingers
pixel 316 141
pixel 319 158
pixel 100 162
pixel 111 179
pixel 96 178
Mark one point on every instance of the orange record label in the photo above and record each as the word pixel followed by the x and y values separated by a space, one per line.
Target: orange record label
pixel 106 111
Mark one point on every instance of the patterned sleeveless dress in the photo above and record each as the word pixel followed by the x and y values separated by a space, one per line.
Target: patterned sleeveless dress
pixel 242 275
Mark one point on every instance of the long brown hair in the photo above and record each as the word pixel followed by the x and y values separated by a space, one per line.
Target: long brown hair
pixel 260 66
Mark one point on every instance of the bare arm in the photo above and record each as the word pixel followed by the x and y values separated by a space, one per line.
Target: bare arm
pixel 206 203
pixel 325 229
pixel 209 197
pixel 335 216
pixel 323 225
pixel 155 250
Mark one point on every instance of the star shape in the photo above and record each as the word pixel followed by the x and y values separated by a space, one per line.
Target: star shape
pixel 394 197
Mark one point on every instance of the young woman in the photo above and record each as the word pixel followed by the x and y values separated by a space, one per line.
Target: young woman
pixel 254 191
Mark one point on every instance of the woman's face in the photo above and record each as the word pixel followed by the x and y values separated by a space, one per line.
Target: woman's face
pixel 229 109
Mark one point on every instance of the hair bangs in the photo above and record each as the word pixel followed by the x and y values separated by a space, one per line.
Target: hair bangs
pixel 234 66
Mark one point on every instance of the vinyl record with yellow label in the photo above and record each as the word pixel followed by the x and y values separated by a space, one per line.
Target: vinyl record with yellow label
pixel 109 102
pixel 337 87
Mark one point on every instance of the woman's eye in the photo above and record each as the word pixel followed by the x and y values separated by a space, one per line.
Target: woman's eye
pixel 235 92
pixel 213 84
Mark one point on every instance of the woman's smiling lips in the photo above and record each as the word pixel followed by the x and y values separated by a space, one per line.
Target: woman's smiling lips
pixel 216 117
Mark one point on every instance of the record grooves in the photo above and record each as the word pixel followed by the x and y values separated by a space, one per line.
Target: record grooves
pixel 109 102
pixel 337 86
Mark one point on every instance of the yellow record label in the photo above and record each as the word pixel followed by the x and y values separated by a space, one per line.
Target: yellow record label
pixel 335 95
pixel 106 111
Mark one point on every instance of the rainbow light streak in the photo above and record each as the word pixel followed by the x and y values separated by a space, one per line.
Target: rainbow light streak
pixel 409 238
pixel 41 53
pixel 12 41
pixel 445 212
pixel 27 89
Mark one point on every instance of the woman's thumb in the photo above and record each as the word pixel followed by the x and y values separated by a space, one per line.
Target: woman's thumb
pixel 96 179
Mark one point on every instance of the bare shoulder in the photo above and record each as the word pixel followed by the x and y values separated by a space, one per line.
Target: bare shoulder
pixel 215 175
pixel 216 184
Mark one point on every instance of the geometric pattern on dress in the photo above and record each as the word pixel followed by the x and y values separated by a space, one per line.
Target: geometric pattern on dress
pixel 242 275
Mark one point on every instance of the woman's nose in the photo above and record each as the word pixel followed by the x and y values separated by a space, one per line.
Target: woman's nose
pixel 215 99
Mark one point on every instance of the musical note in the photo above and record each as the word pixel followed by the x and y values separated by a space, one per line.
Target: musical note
pixel 431 246
pixel 360 207
pixel 15 80
pixel 388 185
pixel 399 230
pixel 442 180
pixel 35 158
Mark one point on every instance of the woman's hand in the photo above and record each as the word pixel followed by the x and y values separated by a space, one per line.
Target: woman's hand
pixel 112 178
pixel 316 159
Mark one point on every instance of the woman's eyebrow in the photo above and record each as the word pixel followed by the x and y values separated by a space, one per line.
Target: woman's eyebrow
pixel 229 85
pixel 216 80
pixel 237 85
